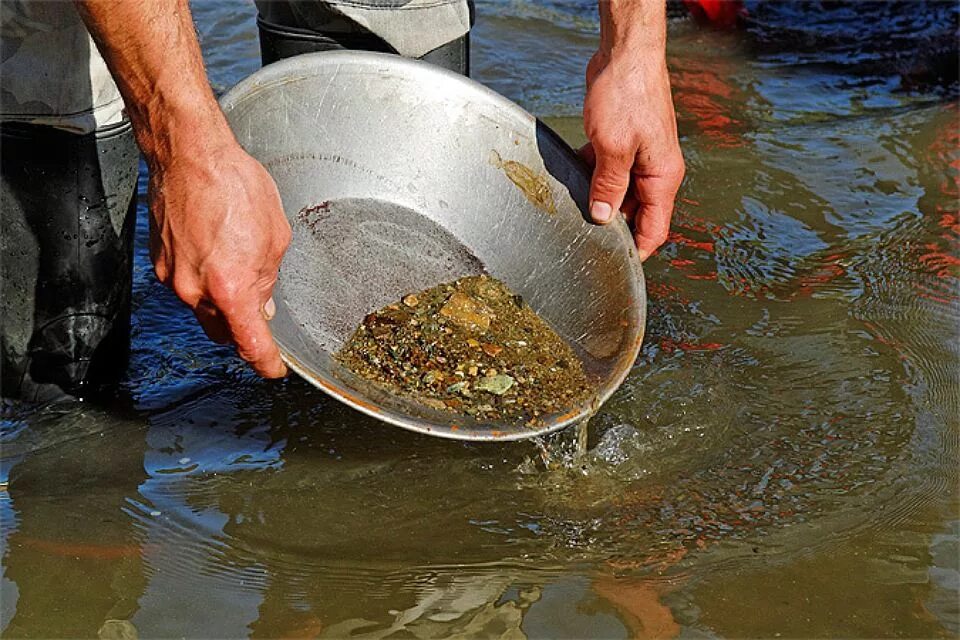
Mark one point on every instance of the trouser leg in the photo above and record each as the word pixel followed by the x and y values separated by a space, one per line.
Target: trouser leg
pixel 283 35
pixel 67 215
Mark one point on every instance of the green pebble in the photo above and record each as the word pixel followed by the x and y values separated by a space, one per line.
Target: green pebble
pixel 497 385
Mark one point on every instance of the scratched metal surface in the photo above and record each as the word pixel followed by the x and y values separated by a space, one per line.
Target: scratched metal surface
pixel 396 176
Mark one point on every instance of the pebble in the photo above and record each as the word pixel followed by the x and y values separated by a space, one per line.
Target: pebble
pixel 495 384
pixel 492 350
pixel 466 312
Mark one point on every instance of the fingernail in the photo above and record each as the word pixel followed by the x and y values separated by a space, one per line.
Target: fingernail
pixel 643 254
pixel 600 212
pixel 269 309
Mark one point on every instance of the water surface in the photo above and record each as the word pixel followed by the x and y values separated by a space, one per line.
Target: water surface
pixel 782 459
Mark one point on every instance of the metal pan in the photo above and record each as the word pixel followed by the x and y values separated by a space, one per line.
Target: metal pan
pixel 397 175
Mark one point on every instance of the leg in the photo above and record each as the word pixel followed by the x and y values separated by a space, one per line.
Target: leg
pixel 288 29
pixel 68 213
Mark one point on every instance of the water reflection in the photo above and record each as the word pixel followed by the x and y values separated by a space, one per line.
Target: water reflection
pixel 73 550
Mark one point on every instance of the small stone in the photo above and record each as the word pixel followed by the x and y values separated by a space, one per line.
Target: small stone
pixel 457 387
pixel 490 373
pixel 433 403
pixel 155 513
pixel 466 312
pixel 473 343
pixel 411 300
pixel 113 629
pixel 431 376
pixel 490 290
pixel 492 350
pixel 495 384
pixel 473 370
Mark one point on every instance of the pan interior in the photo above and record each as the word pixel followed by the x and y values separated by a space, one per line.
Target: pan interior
pixel 356 255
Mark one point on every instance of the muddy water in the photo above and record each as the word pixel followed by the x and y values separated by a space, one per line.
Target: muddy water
pixel 782 459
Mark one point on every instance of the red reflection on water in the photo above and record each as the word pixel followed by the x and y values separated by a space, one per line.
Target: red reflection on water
pixel 679 238
pixel 669 345
pixel 941 257
pixel 80 550
pixel 823 274
pixel 705 96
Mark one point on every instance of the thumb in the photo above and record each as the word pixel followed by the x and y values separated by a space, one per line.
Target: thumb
pixel 611 179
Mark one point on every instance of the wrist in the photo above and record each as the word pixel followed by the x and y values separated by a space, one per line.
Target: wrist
pixel 631 66
pixel 185 127
pixel 632 28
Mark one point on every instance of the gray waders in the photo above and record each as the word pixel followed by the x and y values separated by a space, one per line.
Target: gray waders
pixel 282 35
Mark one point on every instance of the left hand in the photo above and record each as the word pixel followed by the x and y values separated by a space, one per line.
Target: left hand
pixel 632 128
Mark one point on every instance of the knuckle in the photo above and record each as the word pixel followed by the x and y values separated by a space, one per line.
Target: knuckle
pixel 162 271
pixel 282 244
pixel 660 236
pixel 251 350
pixel 677 171
pixel 613 147
pixel 186 290
pixel 607 181
pixel 223 288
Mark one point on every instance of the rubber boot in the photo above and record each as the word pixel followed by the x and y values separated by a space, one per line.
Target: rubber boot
pixel 67 214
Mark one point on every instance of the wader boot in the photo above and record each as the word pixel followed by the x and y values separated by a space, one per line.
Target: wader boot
pixel 67 218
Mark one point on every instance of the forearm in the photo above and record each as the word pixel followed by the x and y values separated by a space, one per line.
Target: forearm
pixel 152 51
pixel 633 29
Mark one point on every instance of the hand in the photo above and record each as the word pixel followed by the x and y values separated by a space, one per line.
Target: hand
pixel 629 119
pixel 217 236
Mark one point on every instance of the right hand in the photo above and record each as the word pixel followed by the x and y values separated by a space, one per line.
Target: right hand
pixel 217 236
pixel 638 167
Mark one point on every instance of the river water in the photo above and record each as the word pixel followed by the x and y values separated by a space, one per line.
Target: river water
pixel 782 460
